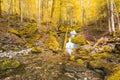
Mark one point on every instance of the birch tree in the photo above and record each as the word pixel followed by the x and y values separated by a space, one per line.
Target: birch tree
pixel 117 14
pixel 108 16
pixel 21 11
pixel 9 10
pixel 38 14
pixel 112 15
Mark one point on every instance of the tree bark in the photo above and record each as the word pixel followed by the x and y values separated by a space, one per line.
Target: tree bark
pixel 108 16
pixel 21 11
pixel 82 13
pixel 112 15
pixel 0 8
pixel 118 19
pixel 9 10
pixel 42 8
pixel 53 6
pixel 39 18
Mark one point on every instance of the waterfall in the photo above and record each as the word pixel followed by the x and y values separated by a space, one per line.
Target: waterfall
pixel 70 45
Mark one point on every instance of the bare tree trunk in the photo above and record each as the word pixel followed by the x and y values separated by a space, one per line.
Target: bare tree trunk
pixel 112 16
pixel 118 19
pixel 0 8
pixel 82 13
pixel 53 6
pixel 9 9
pixel 42 7
pixel 60 15
pixel 108 16
pixel 47 12
pixel 39 18
pixel 21 11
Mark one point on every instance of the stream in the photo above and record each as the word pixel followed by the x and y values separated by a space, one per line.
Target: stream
pixel 11 54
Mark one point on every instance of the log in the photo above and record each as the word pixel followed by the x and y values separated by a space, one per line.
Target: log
pixel 98 41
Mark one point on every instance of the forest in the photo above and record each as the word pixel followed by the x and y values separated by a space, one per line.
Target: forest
pixel 59 39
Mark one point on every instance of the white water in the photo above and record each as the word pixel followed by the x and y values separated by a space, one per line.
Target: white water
pixel 11 54
pixel 70 45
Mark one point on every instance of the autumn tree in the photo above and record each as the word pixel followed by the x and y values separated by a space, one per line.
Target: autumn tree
pixel 0 8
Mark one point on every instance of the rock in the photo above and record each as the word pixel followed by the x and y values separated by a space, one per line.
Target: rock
pixel 79 39
pixel 114 76
pixel 6 63
pixel 73 67
pixel 36 50
pixel 13 31
pixel 80 61
pixel 117 46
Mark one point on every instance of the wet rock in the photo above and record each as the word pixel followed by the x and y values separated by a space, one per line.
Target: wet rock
pixel 65 77
pixel 117 46
pixel 73 68
pixel 6 63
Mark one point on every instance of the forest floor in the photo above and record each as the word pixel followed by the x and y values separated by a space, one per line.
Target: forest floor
pixel 44 62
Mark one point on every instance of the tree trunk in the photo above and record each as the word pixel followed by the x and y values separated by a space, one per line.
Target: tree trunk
pixel 108 16
pixel 60 17
pixel 47 12
pixel 9 10
pixel 42 8
pixel 53 6
pixel 82 13
pixel 118 19
pixel 112 16
pixel 39 18
pixel 0 8
pixel 21 11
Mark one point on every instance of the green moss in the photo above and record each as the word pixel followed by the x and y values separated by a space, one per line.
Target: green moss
pixel 25 54
pixel 72 57
pixel 36 50
pixel 30 33
pixel 114 76
pixel 116 51
pixel 97 63
pixel 99 55
pixel 107 49
pixel 6 63
pixel 52 43
pixel 13 31
pixel 80 61
pixel 3 47
pixel 79 39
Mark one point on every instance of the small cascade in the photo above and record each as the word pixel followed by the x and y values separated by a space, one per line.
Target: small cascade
pixel 70 45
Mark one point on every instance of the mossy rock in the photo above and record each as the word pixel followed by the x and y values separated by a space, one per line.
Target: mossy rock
pixel 26 54
pixel 114 76
pixel 36 50
pixel 107 49
pixel 97 63
pixel 79 39
pixel 52 43
pixel 14 31
pixel 116 51
pixel 3 47
pixel 6 63
pixel 72 58
pixel 99 55
pixel 80 61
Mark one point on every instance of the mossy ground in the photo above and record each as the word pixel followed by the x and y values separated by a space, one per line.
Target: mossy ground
pixel 47 41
